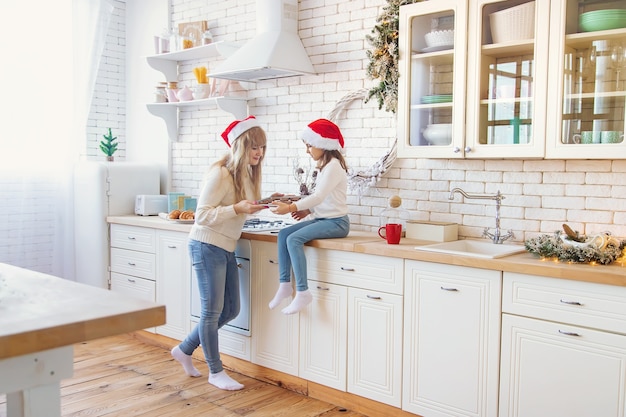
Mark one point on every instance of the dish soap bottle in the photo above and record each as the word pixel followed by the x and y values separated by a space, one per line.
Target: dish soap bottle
pixel 394 213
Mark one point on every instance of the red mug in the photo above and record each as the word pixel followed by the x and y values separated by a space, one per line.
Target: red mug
pixel 391 232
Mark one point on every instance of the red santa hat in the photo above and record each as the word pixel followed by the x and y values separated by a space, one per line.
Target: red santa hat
pixel 238 128
pixel 323 134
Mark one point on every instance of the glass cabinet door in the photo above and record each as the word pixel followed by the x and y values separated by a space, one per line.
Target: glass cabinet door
pixel 507 78
pixel 589 40
pixel 431 95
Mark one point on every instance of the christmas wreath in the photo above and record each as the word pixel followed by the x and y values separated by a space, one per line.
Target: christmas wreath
pixel 383 65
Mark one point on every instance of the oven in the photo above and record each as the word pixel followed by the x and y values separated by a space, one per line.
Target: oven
pixel 241 323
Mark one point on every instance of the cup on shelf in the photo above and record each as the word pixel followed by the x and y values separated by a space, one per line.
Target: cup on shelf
pixel 587 136
pixel 202 90
pixel 611 136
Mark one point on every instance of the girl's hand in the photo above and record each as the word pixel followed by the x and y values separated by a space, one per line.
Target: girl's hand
pixel 281 208
pixel 300 214
pixel 247 206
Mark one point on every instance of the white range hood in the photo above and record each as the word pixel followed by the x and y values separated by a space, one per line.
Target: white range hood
pixel 275 52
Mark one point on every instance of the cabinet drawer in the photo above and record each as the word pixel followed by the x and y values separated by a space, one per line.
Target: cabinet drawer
pixel 379 273
pixel 599 306
pixel 138 264
pixel 134 238
pixel 141 288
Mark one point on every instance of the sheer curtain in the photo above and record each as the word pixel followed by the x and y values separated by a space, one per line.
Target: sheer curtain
pixel 48 72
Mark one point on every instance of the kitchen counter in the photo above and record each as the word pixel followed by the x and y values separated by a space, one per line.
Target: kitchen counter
pixel 371 243
pixel 41 317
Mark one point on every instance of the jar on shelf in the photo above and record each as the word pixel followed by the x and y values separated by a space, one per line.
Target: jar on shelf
pixel 186 41
pixel 160 95
pixel 207 37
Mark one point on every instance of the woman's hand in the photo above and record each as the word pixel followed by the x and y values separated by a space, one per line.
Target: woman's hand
pixel 247 206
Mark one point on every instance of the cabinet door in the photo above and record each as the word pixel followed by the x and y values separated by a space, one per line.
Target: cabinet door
pixel 507 78
pixel 323 327
pixel 275 335
pixel 557 370
pixel 375 345
pixel 452 340
pixel 431 84
pixel 587 97
pixel 173 283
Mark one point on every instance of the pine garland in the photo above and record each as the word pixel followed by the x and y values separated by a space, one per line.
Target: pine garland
pixel 552 246
pixel 383 65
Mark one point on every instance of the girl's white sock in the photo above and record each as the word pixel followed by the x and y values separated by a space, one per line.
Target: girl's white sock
pixel 284 291
pixel 186 361
pixel 225 382
pixel 301 300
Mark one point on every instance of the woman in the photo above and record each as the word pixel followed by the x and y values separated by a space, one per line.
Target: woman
pixel 324 212
pixel 229 193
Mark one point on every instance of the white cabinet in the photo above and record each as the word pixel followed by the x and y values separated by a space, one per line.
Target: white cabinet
pixel 563 348
pixel 173 282
pixel 133 262
pixel 452 340
pixel 372 316
pixel 274 335
pixel 168 65
pixel 587 90
pixel 323 330
pixel 498 87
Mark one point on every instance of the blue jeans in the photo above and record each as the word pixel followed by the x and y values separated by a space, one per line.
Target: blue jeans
pixel 291 242
pixel 218 283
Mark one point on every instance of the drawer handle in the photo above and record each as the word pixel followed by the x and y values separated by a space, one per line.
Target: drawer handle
pixel 569 333
pixel 131 238
pixel 374 297
pixel 131 280
pixel 273 262
pixel 572 303
pixel 171 246
pixel 323 288
pixel 132 264
pixel 448 289
pixel 343 268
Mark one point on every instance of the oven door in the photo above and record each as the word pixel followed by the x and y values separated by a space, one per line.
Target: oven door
pixel 241 323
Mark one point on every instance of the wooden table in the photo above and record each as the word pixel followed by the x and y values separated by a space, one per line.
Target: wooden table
pixel 41 317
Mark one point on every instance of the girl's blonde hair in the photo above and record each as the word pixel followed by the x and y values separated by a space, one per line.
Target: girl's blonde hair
pixel 238 162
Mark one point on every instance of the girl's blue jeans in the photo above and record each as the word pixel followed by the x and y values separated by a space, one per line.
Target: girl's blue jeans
pixel 218 284
pixel 291 242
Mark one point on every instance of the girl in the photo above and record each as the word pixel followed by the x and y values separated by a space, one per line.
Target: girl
pixel 231 187
pixel 326 212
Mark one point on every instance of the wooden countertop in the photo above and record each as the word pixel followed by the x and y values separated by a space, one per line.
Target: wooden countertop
pixel 371 243
pixel 40 312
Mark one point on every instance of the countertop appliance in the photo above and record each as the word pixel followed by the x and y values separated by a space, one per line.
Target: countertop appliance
pixel 104 189
pixel 241 323
pixel 150 205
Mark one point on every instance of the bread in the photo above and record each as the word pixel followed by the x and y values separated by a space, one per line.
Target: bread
pixel 187 215
pixel 174 214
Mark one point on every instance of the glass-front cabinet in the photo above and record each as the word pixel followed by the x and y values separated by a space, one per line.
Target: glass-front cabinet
pixel 497 78
pixel 589 94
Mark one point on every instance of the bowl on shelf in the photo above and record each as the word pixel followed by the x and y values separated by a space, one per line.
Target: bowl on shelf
pixel 438 134
pixel 438 38
pixel 602 20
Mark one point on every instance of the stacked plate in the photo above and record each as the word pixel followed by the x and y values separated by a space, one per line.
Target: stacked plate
pixel 602 20
pixel 437 98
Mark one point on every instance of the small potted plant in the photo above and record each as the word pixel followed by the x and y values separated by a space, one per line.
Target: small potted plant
pixel 108 145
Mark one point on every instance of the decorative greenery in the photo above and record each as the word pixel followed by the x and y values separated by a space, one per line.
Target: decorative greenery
pixel 383 65
pixel 552 246
pixel 107 145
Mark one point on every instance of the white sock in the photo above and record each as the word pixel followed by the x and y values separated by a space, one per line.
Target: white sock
pixel 284 291
pixel 223 381
pixel 302 299
pixel 186 361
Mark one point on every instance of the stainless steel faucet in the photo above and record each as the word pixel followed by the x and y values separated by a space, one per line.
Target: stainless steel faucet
pixel 497 236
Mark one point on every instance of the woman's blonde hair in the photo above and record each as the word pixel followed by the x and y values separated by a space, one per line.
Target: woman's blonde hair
pixel 238 162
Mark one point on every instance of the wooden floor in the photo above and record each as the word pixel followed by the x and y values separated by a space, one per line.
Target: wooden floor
pixel 123 376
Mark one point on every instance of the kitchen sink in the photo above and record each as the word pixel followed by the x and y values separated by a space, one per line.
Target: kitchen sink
pixel 475 248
